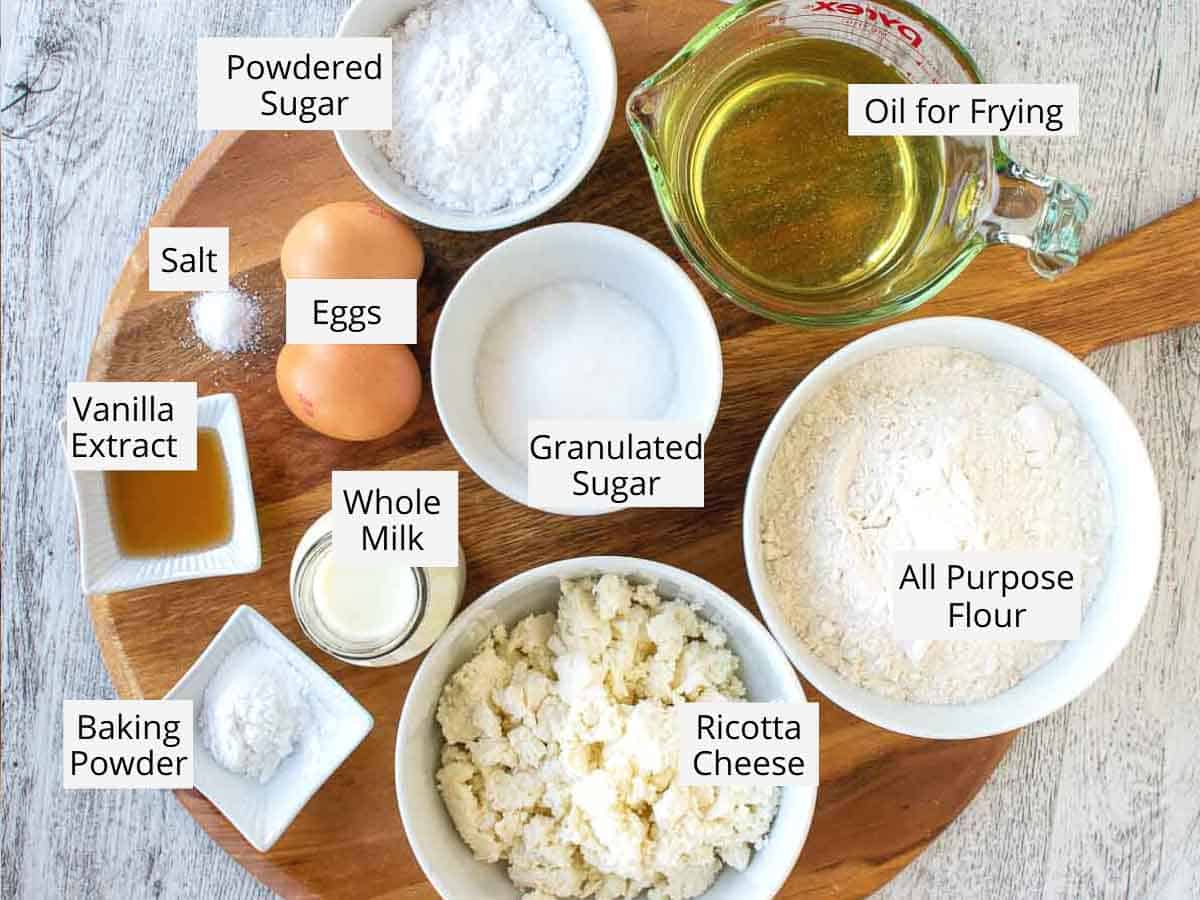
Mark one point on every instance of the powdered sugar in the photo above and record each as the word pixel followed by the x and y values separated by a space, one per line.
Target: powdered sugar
pixel 488 103
pixel 929 449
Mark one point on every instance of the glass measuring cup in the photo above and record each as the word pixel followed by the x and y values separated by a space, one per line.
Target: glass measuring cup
pixel 979 196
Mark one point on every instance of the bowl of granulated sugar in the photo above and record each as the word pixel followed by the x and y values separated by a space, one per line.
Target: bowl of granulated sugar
pixel 583 322
pixel 499 108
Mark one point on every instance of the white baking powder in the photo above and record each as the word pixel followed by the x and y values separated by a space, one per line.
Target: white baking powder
pixel 256 713
pixel 925 449
pixel 488 103
pixel 227 321
pixel 571 350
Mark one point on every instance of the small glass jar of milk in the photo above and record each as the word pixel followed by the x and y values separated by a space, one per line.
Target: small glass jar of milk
pixel 375 615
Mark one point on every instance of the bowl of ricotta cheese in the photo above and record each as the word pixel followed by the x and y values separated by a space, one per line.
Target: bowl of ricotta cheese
pixel 572 321
pixel 535 747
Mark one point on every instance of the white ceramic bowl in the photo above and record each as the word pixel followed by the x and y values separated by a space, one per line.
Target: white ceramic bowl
pixel 104 568
pixel 592 48
pixel 446 860
pixel 1131 566
pixel 542 256
pixel 263 812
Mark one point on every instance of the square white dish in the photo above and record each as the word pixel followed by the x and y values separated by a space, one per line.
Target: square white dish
pixel 104 568
pixel 262 812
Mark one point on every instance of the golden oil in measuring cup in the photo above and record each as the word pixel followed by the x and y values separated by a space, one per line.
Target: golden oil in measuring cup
pixel 783 194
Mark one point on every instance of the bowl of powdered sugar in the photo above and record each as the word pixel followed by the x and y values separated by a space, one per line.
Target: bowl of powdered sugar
pixel 954 435
pixel 500 107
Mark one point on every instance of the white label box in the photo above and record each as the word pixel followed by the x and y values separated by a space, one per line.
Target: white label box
pixel 294 84
pixel 409 517
pixel 1029 596
pixel 128 744
pixel 133 425
pixel 1041 110
pixel 748 743
pixel 188 259
pixel 351 311
pixel 581 465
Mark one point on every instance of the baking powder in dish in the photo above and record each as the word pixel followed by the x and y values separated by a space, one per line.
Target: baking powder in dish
pixel 256 712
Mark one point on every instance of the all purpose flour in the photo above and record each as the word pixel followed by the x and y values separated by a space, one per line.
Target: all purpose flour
pixel 929 449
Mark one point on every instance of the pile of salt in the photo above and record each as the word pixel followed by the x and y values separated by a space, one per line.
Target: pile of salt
pixel 226 321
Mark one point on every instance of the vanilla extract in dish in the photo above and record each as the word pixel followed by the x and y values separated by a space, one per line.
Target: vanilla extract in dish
pixel 161 513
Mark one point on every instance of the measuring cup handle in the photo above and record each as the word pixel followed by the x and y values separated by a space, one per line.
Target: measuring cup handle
pixel 1042 214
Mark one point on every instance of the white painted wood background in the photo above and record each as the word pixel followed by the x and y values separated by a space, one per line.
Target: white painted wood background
pixel 1101 799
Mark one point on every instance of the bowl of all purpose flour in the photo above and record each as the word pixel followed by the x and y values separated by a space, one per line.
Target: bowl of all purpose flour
pixel 500 107
pixel 947 434
pixel 594 655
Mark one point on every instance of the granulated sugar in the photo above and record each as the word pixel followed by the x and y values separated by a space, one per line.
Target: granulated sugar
pixel 571 350
pixel 488 103
pixel 925 449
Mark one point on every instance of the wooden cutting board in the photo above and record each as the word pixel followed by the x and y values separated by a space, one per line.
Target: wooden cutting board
pixel 883 796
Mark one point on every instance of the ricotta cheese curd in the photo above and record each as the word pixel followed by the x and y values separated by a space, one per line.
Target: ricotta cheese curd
pixel 561 749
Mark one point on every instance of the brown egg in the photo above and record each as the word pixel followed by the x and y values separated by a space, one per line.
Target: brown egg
pixel 354 392
pixel 351 239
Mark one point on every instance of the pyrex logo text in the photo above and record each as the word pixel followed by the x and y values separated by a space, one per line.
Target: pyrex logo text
pixel 895 23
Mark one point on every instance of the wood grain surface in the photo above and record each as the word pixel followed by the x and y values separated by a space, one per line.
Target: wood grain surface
pixel 1099 799
pixel 883 796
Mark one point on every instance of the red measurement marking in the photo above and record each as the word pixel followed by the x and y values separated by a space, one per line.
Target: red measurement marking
pixel 892 23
